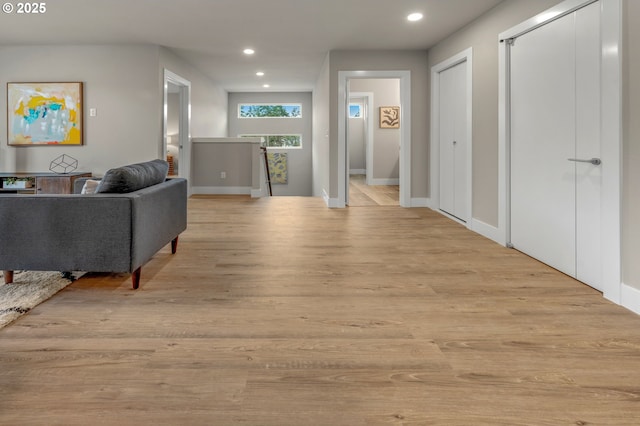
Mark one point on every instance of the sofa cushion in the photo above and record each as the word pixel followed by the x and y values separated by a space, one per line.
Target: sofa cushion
pixel 90 186
pixel 133 177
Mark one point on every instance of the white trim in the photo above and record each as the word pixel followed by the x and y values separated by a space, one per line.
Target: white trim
pixel 357 171
pixel 611 119
pixel 405 130
pixel 466 56
pixel 184 144
pixel 257 193
pixel 332 203
pixel 420 202
pixel 223 190
pixel 383 181
pixel 486 230
pixel 630 298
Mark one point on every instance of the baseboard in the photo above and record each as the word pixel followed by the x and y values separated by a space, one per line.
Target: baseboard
pixel 222 190
pixel 257 193
pixel 332 203
pixel 486 230
pixel 630 298
pixel 385 181
pixel 357 171
pixel 420 202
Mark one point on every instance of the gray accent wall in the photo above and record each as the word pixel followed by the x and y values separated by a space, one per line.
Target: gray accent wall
pixel 631 145
pixel 299 162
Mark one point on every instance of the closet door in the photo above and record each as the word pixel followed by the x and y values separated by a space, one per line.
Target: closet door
pixel 555 109
pixel 453 141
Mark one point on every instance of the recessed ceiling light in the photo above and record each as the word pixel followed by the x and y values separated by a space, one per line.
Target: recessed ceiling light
pixel 259 73
pixel 266 86
pixel 415 17
pixel 249 51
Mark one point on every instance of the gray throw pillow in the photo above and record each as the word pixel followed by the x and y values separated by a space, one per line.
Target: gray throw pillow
pixel 133 177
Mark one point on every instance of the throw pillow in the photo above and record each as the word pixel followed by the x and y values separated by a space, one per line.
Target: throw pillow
pixel 133 177
pixel 90 186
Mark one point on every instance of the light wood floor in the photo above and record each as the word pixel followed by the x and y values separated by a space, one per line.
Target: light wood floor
pixel 279 311
pixel 363 195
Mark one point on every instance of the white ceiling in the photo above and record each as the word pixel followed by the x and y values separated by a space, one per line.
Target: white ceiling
pixel 291 37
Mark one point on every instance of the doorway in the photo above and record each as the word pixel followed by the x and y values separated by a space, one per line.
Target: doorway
pixel 560 140
pixel 176 125
pixel 404 159
pixel 373 153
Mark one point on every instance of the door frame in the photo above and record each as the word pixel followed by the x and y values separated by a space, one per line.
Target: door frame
pixel 466 56
pixel 611 132
pixel 368 102
pixel 184 118
pixel 405 131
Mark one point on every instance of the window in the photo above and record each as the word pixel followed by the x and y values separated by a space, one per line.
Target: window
pixel 279 141
pixel 355 111
pixel 269 111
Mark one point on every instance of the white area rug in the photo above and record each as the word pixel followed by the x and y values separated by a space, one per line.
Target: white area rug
pixel 29 288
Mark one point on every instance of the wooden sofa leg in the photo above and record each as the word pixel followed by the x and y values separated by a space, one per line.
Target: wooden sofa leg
pixel 174 245
pixel 135 278
pixel 8 277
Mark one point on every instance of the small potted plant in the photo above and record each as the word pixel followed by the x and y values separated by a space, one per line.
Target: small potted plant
pixel 17 183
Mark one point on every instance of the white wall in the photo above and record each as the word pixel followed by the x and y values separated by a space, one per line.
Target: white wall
pixel 208 99
pixel 125 85
pixel 119 81
pixel 321 130
pixel 299 163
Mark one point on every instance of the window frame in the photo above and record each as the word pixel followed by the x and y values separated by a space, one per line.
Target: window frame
pixel 283 104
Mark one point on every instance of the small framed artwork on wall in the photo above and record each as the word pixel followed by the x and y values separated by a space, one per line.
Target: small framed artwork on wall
pixel 44 114
pixel 390 117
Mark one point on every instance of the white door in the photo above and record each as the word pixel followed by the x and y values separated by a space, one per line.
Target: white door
pixel 453 141
pixel 555 110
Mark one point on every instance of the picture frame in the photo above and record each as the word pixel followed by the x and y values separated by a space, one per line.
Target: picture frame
pixel 389 117
pixel 45 113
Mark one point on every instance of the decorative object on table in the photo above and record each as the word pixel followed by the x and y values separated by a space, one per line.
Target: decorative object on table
pixel 17 183
pixel 29 289
pixel 44 114
pixel 63 164
pixel 278 167
pixel 390 117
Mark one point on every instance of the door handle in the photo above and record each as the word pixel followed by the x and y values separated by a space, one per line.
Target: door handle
pixel 594 161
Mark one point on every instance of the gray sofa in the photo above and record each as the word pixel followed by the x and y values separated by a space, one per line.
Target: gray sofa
pixel 116 230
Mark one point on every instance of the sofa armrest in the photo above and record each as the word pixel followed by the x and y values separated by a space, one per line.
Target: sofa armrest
pixel 159 215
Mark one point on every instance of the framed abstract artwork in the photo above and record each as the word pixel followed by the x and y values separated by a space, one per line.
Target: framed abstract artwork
pixel 390 117
pixel 44 114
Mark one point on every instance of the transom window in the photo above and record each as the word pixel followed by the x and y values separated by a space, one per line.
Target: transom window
pixel 269 111
pixel 279 141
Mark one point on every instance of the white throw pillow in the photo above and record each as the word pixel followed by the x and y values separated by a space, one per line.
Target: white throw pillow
pixel 90 186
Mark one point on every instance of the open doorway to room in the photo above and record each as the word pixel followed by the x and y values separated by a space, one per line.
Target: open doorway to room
pixel 173 129
pixel 373 142
pixel 384 177
pixel 176 141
